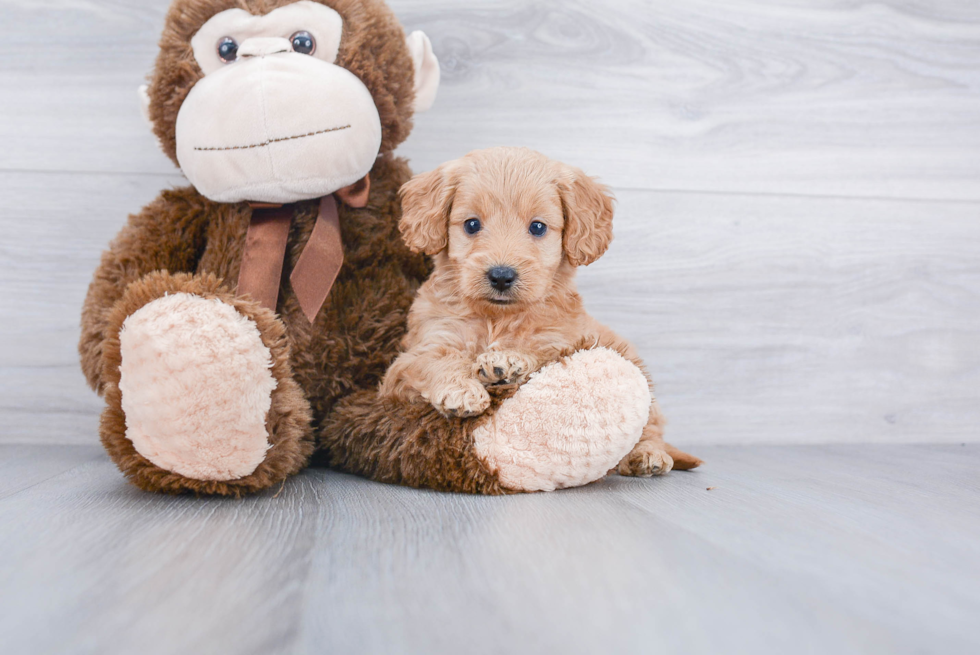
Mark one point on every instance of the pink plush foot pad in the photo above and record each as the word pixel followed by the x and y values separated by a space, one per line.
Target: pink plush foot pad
pixel 568 425
pixel 196 387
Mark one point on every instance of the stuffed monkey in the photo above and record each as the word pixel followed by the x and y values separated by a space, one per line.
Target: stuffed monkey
pixel 237 325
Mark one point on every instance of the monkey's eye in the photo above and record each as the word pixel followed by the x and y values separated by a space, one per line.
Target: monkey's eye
pixel 303 43
pixel 537 228
pixel 472 226
pixel 227 49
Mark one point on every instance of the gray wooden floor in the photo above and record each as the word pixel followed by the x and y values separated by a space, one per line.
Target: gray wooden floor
pixel 797 247
pixel 795 549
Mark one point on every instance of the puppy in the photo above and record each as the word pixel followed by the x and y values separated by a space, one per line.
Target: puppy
pixel 506 228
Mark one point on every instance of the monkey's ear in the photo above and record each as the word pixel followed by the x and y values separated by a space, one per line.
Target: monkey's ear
pixel 144 95
pixel 588 208
pixel 427 201
pixel 426 70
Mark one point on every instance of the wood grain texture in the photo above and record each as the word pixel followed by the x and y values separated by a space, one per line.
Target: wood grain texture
pixel 842 549
pixel 780 319
pixel 819 97
pixel 69 80
pixel 59 223
pixel 762 318
pixel 796 258
pixel 23 466
pixel 797 294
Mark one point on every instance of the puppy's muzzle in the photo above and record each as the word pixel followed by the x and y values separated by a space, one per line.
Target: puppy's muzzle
pixel 502 278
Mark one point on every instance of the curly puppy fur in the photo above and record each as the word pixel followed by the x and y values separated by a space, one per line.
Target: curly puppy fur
pixel 467 337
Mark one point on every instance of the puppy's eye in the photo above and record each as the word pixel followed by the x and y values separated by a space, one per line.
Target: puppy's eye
pixel 227 49
pixel 537 228
pixel 472 226
pixel 303 43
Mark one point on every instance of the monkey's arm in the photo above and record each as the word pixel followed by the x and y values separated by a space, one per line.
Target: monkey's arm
pixel 168 234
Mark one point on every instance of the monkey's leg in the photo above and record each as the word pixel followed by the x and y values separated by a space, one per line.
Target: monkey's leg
pixel 567 426
pixel 650 455
pixel 199 391
pixel 404 443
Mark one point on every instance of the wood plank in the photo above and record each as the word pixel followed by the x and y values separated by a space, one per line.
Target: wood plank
pixel 23 466
pixel 70 76
pixel 122 571
pixel 803 320
pixel 845 549
pixel 879 100
pixel 839 98
pixel 762 319
pixel 61 223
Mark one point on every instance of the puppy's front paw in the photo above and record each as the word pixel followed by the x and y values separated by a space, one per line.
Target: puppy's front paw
pixel 645 460
pixel 499 368
pixel 468 398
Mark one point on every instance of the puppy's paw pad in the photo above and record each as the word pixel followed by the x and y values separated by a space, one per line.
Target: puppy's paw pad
pixel 468 399
pixel 644 461
pixel 502 368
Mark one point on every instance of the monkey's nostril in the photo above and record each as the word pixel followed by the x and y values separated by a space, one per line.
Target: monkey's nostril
pixel 263 47
pixel 502 278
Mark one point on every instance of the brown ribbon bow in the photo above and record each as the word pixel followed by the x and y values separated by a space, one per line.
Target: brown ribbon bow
pixel 318 264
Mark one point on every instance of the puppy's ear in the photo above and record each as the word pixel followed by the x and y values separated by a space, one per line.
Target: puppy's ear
pixel 588 208
pixel 427 200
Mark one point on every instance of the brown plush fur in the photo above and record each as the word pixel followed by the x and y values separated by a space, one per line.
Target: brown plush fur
pixel 288 421
pixel 328 372
pixel 465 337
pixel 348 348
pixel 356 334
pixel 405 443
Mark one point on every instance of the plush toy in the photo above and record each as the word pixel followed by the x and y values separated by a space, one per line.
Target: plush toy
pixel 235 326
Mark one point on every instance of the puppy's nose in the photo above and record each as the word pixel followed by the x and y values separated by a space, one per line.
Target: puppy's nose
pixel 501 277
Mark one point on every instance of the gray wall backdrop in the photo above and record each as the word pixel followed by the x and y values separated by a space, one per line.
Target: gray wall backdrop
pixel 798 230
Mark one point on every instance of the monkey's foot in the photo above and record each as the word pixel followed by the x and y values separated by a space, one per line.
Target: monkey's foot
pixel 196 387
pixel 199 392
pixel 568 424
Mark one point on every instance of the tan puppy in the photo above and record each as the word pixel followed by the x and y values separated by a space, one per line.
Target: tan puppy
pixel 506 228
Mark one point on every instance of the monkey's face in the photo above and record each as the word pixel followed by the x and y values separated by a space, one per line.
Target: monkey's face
pixel 275 118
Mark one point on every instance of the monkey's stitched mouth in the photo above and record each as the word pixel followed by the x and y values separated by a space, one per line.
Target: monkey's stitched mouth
pixel 271 141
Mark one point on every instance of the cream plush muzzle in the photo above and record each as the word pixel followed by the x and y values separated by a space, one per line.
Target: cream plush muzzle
pixel 274 125
pixel 307 129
